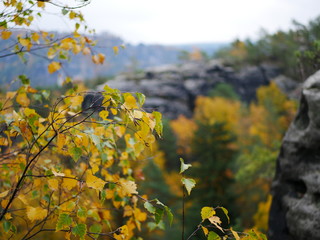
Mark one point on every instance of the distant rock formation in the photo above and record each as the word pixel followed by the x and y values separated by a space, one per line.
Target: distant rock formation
pixel 172 89
pixel 295 210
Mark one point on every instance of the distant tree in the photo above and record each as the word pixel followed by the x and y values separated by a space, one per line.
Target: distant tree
pixel 224 90
pixel 213 159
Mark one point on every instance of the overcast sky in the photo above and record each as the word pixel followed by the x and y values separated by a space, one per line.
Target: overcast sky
pixel 189 21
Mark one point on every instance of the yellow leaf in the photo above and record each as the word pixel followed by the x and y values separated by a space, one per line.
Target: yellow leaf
pixel 57 174
pixel 115 50
pixel 205 230
pixel 23 100
pixel 104 114
pixel 77 100
pixel 124 233
pixel 44 34
pixel 24 42
pixel 41 4
pixel 207 212
pixel 29 112
pixel 23 199
pixel 67 43
pixel 69 183
pixel 53 184
pixel 98 59
pixel 137 114
pixel 128 211
pixel 68 206
pixel 4 202
pixel 31 90
pixel 86 51
pixel 53 67
pixel 128 187
pixel 94 182
pixel 76 49
pixel 37 213
pixel 235 234
pixel 25 130
pixel 139 215
pixel 5 35
pixel 114 111
pixel 130 102
pixel 51 53
pixel 72 15
pixel 61 140
pixel 35 37
pixel 10 95
pixel 68 235
pixel 3 194
pixel 8 216
pixel 101 58
pixel 216 221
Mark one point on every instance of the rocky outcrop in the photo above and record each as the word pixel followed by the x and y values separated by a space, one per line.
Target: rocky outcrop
pixel 172 89
pixel 295 210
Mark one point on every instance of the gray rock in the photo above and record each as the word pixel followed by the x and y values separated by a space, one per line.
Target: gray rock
pixel 288 86
pixel 295 210
pixel 179 85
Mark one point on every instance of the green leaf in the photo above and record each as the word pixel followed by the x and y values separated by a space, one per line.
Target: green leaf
pixel 213 236
pixel 207 212
pixel 159 126
pixel 158 215
pixel 6 225
pixel 189 183
pixel 76 153
pixel 150 207
pixel 64 11
pixel 13 229
pixel 152 226
pixel 141 98
pixel 169 214
pixel 64 220
pixel 82 212
pixel 226 213
pixel 80 230
pixel 95 228
pixel 253 235
pixel 24 80
pixel 45 94
pixel 184 166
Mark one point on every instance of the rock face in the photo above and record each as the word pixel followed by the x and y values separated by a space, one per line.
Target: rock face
pixel 295 210
pixel 172 89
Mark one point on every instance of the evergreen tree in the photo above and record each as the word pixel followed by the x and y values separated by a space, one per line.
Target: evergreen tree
pixel 213 158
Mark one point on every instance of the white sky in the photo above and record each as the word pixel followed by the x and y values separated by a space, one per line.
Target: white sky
pixel 190 21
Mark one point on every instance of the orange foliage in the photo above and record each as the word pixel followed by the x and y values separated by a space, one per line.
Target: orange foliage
pixel 184 129
pixel 218 109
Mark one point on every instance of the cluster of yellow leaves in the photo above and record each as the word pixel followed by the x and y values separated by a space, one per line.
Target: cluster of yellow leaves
pixel 272 114
pixel 184 129
pixel 217 110
pixel 79 168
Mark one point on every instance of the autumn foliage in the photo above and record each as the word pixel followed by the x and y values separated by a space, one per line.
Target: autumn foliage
pixel 75 171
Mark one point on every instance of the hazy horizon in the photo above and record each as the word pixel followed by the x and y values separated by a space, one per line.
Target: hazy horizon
pixel 188 22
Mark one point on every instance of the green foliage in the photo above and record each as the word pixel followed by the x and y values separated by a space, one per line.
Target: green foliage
pixel 296 51
pixel 224 90
pixel 212 220
pixel 257 163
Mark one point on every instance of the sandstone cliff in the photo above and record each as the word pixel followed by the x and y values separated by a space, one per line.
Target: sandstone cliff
pixel 295 210
pixel 172 89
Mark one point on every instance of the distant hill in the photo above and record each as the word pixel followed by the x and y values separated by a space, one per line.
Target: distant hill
pixel 209 48
pixel 131 59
